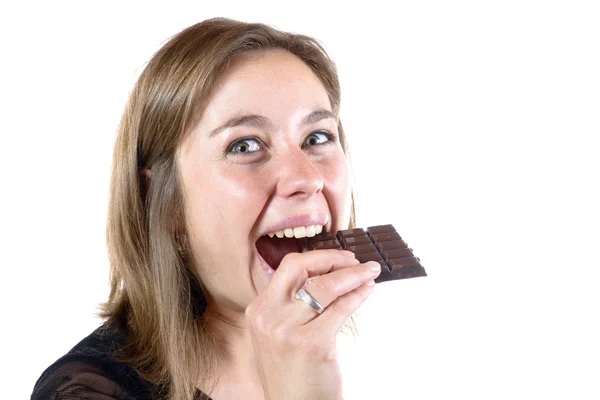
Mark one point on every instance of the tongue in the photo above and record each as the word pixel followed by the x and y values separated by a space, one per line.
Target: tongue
pixel 274 249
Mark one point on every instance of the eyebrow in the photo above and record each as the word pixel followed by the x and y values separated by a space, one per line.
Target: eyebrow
pixel 259 121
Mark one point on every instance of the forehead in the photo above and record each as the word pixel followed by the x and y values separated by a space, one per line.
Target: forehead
pixel 272 79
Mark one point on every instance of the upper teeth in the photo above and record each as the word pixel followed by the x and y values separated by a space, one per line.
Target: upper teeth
pixel 298 232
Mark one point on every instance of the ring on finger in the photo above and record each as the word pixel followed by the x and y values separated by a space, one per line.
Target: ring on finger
pixel 303 295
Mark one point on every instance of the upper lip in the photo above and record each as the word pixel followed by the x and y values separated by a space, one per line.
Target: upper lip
pixel 297 220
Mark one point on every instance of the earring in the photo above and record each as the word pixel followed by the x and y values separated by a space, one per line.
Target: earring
pixel 178 241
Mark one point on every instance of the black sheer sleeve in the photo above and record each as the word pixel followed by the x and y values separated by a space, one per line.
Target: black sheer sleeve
pixel 78 379
pixel 91 371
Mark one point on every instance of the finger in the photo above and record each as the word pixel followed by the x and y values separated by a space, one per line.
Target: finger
pixel 352 257
pixel 333 318
pixel 350 254
pixel 326 288
pixel 296 268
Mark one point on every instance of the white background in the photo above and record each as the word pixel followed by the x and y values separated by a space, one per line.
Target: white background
pixel 473 127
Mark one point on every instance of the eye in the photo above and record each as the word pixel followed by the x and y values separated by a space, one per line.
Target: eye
pixel 244 146
pixel 317 138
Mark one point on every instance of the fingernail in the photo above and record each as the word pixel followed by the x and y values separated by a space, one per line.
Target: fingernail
pixel 374 266
pixel 370 283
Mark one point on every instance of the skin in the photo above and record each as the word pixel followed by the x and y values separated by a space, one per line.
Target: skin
pixel 231 198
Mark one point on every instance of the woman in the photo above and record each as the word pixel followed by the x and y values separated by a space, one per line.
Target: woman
pixel 229 153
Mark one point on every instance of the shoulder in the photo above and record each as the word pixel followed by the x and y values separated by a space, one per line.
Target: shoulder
pixel 90 370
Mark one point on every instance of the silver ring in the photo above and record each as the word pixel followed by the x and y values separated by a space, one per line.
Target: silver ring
pixel 308 299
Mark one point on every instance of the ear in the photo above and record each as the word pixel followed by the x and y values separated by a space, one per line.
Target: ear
pixel 145 176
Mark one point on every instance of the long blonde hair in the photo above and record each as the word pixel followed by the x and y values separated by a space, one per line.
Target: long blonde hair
pixel 153 290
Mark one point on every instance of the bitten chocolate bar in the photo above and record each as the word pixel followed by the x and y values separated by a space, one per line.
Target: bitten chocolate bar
pixel 379 243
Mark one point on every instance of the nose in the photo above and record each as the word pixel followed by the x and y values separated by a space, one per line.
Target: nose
pixel 298 175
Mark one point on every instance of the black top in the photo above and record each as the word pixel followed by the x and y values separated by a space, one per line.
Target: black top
pixel 90 371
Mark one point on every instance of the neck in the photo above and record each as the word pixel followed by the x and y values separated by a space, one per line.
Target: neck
pixel 238 370
pixel 233 336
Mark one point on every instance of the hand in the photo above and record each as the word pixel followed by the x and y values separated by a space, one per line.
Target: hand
pixel 294 345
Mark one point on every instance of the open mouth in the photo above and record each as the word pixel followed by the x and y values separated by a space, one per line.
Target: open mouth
pixel 272 250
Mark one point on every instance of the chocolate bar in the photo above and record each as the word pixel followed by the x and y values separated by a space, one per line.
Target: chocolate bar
pixel 379 243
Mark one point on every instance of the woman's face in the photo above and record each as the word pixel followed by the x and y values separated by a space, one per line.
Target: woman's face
pixel 263 156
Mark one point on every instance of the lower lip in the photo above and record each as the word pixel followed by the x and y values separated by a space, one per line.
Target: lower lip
pixel 265 267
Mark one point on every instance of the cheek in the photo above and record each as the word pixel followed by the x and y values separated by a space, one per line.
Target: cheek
pixel 221 200
pixel 338 190
pixel 223 206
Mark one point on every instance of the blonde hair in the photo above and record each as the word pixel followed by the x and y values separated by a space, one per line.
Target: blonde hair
pixel 152 285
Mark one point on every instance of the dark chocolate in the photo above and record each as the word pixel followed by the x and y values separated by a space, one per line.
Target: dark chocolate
pixel 378 243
